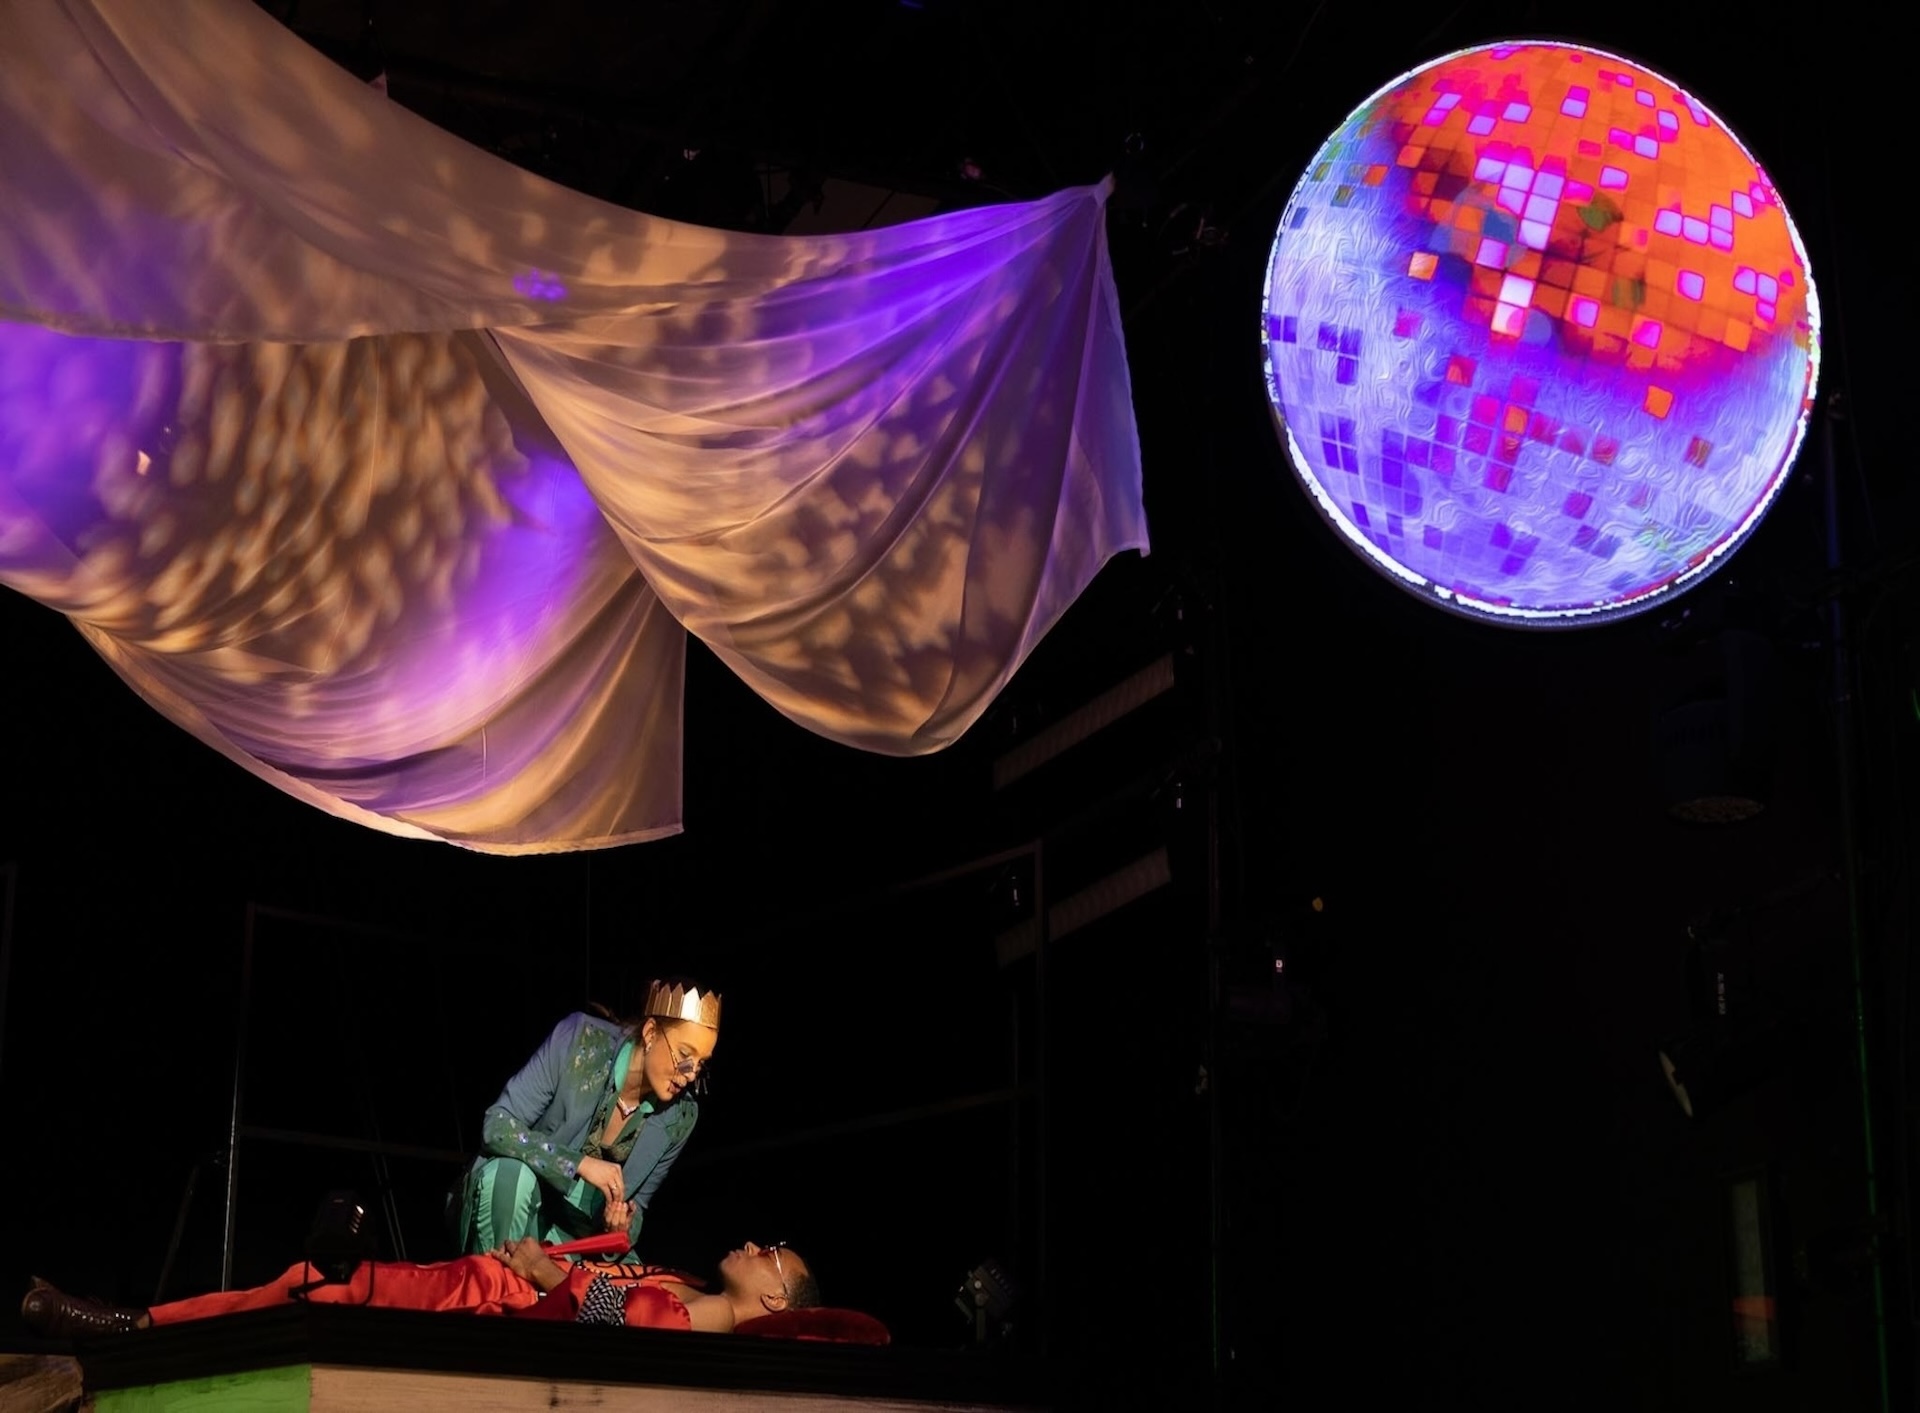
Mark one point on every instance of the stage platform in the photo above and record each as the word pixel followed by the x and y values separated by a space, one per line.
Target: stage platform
pixel 334 1359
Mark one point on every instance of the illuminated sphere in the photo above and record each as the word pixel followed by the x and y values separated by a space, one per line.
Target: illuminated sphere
pixel 1539 334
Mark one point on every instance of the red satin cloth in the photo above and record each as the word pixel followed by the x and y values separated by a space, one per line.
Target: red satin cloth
pixel 472 1285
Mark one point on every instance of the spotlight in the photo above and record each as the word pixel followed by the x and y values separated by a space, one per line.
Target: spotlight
pixel 338 1240
pixel 987 1297
pixel 1708 1066
pixel 1716 747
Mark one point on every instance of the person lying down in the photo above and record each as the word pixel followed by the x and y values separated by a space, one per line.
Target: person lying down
pixel 518 1279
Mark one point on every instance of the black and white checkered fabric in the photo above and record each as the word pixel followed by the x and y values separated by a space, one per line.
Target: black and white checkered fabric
pixel 604 1304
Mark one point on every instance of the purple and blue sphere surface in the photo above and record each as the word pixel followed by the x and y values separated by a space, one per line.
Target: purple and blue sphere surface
pixel 1539 335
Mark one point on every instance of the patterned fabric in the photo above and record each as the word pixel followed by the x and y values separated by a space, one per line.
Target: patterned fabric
pixel 603 1304
pixel 638 1297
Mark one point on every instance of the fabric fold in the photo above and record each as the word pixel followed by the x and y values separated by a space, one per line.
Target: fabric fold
pixel 398 474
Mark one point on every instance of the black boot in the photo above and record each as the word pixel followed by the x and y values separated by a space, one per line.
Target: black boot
pixel 52 1312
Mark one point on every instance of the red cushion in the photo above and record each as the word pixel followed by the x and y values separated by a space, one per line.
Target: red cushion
pixel 821 1323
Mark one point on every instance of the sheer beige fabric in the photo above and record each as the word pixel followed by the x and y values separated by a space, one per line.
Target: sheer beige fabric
pixel 398 474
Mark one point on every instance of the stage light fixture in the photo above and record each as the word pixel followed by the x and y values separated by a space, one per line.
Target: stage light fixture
pixel 1718 1061
pixel 1715 745
pixel 338 1241
pixel 987 1297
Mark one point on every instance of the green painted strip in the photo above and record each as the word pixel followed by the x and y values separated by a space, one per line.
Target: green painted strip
pixel 285 1390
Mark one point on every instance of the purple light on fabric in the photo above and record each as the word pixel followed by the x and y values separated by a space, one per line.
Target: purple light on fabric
pixel 870 469
pixel 539 284
pixel 74 413
pixel 97 450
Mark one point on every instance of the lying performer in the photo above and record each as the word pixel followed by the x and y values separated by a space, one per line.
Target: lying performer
pixel 519 1279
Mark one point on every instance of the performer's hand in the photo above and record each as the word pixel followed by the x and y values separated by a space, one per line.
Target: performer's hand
pixel 526 1257
pixel 604 1175
pixel 522 1254
pixel 618 1215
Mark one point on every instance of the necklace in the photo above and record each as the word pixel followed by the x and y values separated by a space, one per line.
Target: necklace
pixel 626 1109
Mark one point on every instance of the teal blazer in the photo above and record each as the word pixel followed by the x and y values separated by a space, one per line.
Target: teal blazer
pixel 549 1110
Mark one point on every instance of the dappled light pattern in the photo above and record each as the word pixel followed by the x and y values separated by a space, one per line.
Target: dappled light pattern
pixel 398 474
pixel 334 564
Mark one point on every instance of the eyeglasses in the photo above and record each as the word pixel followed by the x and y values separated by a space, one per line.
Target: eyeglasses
pixel 776 1248
pixel 690 1068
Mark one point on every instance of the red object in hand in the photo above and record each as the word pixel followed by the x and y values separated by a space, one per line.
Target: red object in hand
pixel 613 1243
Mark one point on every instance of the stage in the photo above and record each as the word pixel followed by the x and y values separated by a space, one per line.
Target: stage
pixel 332 1358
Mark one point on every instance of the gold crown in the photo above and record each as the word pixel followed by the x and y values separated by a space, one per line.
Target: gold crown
pixel 687 1003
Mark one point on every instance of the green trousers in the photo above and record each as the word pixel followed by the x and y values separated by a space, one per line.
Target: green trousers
pixel 503 1199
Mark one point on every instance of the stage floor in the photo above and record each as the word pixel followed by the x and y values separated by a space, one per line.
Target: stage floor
pixel 333 1359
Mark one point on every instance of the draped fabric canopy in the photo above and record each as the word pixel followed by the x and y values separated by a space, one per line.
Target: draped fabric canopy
pixel 399 475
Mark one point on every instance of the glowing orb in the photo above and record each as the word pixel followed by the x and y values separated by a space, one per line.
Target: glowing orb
pixel 1539 334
